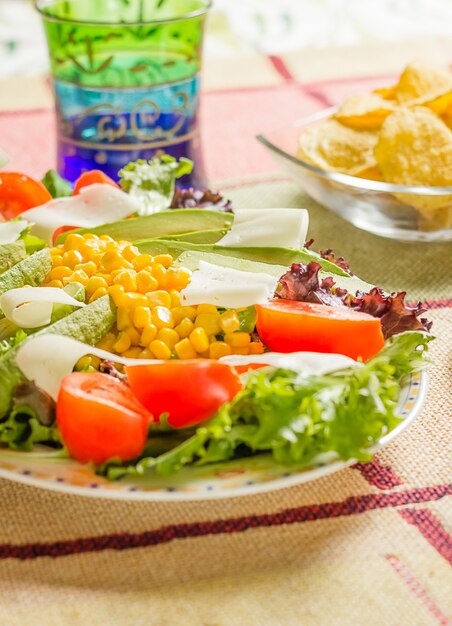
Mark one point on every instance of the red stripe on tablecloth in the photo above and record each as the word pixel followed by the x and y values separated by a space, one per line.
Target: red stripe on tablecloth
pixel 418 590
pixel 126 541
pixel 378 475
pixel 431 528
pixel 310 90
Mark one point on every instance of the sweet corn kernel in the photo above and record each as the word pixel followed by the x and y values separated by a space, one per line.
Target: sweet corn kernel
pixel 88 361
pixel 217 349
pixel 175 297
pixel 131 300
pixel 179 312
pixel 238 340
pixel 229 322
pixel 91 236
pixel 95 282
pixel 90 268
pixel 99 293
pixel 57 260
pixel 58 273
pixel 79 276
pixel 162 317
pixel 133 353
pixel 168 336
pixel 146 282
pixel 209 321
pixel 123 343
pixel 134 335
pixel 159 273
pixel 199 340
pixel 55 283
pixel 123 320
pixel 92 255
pixel 142 261
pixel 178 277
pixel 185 350
pixel 106 238
pixel 237 350
pixel 255 347
pixel 149 334
pixel 184 328
pixel 108 279
pixel 113 260
pixel 116 292
pixel 73 241
pixel 141 316
pixel 146 354
pixel 72 258
pixel 56 251
pixel 164 259
pixel 207 308
pixel 126 278
pixel 159 298
pixel 130 252
pixel 107 342
pixel 160 349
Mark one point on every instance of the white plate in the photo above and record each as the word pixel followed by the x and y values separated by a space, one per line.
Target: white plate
pixel 234 478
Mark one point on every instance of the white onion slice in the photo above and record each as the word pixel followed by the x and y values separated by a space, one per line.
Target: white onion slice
pixel 31 307
pixel 227 287
pixel 304 363
pixel 95 205
pixel 47 359
pixel 10 231
pixel 267 228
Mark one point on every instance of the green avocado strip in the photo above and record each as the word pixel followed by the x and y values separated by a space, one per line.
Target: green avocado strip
pixel 161 224
pixel 31 271
pixel 274 256
pixel 10 254
pixel 88 324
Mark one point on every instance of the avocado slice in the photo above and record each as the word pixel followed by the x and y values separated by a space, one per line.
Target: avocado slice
pixel 31 271
pixel 161 224
pixel 199 236
pixel 273 256
pixel 11 253
pixel 88 324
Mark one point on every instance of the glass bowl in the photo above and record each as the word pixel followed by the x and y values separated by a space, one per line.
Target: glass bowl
pixel 367 204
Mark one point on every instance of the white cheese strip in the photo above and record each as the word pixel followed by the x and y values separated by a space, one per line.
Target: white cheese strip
pixel 267 228
pixel 227 287
pixel 304 363
pixel 10 231
pixel 47 359
pixel 95 205
pixel 31 307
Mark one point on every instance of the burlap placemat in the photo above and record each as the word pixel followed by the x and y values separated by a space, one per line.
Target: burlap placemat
pixel 368 545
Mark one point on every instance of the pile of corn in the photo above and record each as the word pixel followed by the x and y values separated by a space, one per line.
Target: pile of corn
pixel 151 323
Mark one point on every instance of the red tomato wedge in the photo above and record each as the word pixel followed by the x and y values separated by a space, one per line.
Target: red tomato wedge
pixel 90 178
pixel 18 193
pixel 189 391
pixel 292 326
pixel 99 418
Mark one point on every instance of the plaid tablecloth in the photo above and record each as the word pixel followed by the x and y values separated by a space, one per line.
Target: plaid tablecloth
pixel 368 545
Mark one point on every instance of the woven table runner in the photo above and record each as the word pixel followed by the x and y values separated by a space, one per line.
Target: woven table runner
pixel 368 545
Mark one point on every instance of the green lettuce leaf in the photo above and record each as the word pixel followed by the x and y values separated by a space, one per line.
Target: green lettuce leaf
pixel 298 418
pixel 57 186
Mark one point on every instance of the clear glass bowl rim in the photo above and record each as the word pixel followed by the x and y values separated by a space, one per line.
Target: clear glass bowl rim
pixel 41 5
pixel 346 179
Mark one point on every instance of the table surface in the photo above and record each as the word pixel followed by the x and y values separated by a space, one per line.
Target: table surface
pixel 368 545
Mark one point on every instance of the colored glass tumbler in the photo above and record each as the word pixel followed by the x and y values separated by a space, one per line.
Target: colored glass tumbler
pixel 126 77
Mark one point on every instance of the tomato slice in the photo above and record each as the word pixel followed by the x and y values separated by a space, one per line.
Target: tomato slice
pixel 292 326
pixel 190 391
pixel 18 193
pixel 90 178
pixel 99 418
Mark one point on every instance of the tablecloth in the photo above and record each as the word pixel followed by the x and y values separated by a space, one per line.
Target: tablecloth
pixel 368 545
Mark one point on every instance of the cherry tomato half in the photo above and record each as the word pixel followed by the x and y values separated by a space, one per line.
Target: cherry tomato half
pixel 292 326
pixel 90 178
pixel 18 193
pixel 99 418
pixel 190 391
